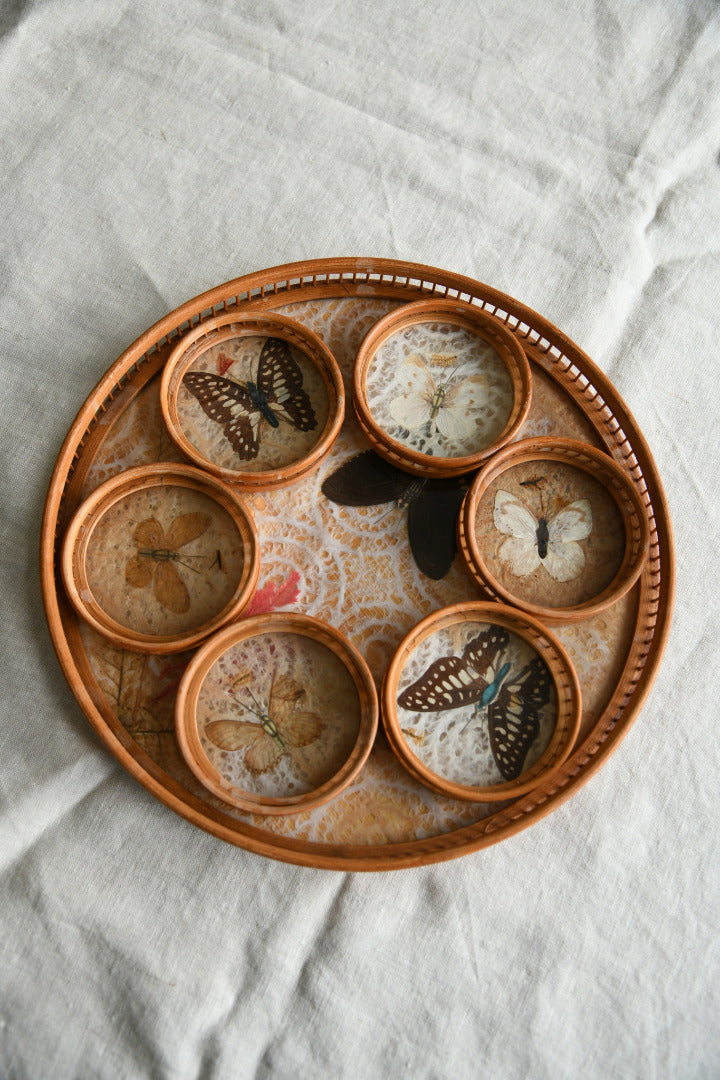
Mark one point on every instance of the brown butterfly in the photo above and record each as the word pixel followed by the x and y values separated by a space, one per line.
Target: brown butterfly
pixel 157 554
pixel 278 729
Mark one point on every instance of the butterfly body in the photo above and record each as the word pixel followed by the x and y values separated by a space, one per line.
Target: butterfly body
pixel 412 492
pixel 438 400
pixel 491 690
pixel 275 394
pixel 261 403
pixel 542 535
pixel 165 555
pixel 270 728
pixel 513 702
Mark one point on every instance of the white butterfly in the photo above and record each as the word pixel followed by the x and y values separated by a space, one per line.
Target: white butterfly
pixel 537 542
pixel 449 406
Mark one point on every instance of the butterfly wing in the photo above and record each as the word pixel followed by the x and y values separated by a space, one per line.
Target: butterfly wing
pixel 565 558
pixel 411 409
pixel 301 728
pixel 228 404
pixel 139 571
pixel 170 590
pixel 296 728
pixel 574 522
pixel 233 734
pixel 185 528
pixel 448 683
pixel 285 691
pixel 149 534
pixel 280 379
pixel 431 525
pixel 366 480
pixel 264 754
pixel 484 649
pixel 514 717
pixel 514 518
pixel 458 415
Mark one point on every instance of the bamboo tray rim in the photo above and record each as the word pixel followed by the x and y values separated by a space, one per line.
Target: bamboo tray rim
pixel 545 344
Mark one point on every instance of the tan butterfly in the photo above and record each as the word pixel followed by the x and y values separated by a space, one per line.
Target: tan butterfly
pixel 449 405
pixel 157 554
pixel 278 729
pixel 548 542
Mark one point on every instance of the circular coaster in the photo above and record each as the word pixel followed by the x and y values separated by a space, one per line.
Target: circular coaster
pixel 159 557
pixel 481 702
pixel 257 400
pixel 555 527
pixel 276 714
pixel 439 386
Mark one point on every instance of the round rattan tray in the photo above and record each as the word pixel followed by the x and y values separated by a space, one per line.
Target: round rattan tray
pixel 385 819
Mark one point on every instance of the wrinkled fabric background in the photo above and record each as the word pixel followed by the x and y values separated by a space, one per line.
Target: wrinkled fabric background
pixel 567 153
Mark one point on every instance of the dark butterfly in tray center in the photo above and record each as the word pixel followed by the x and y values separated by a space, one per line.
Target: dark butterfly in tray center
pixel 432 505
pixel 513 702
pixel 275 394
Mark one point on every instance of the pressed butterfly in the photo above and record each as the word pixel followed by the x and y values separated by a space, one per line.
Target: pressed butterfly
pixel 278 728
pixel 432 505
pixel 157 555
pixel 513 702
pixel 275 393
pixel 448 405
pixel 550 543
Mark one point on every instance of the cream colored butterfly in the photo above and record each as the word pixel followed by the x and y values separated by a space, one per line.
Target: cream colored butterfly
pixel 449 406
pixel 552 544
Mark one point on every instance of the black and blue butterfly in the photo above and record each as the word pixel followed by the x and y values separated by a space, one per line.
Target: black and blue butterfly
pixel 275 393
pixel 480 678
pixel 432 505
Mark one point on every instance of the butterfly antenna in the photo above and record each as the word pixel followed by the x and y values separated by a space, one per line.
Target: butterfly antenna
pixel 187 565
pixel 386 513
pixel 254 708
pixel 256 703
pixel 475 715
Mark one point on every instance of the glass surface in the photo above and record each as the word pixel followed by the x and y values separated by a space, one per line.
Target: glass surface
pixel 278 714
pixel 476 704
pixel 550 533
pixel 164 560
pixel 439 389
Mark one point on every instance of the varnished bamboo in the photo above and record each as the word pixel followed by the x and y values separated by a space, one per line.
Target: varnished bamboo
pixel 564 362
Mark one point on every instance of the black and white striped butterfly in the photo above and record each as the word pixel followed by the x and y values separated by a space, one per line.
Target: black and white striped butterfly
pixel 275 393
pixel 513 702
pixel 432 505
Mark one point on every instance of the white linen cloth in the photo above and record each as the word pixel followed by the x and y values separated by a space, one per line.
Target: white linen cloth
pixel 565 153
